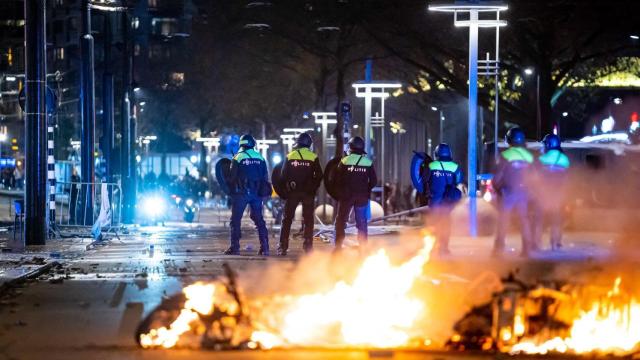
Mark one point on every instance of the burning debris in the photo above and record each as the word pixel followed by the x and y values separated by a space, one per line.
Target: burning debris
pixel 209 315
pixel 383 305
pixel 376 309
pixel 551 318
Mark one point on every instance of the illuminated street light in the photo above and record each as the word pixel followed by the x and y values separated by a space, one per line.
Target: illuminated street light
pixel 263 145
pixel 565 114
pixel 368 91
pixel 617 101
pixel 434 108
pixel 297 131
pixel 474 22
pixel 324 119
pixel 10 78
pixel 634 37
pixel 287 140
pixel 528 71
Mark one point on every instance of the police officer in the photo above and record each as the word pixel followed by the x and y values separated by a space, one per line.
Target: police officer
pixel 511 182
pixel 443 177
pixel 249 183
pixel 551 185
pixel 355 178
pixel 302 175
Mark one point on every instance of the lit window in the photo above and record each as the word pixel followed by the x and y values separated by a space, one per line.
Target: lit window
pixel 58 53
pixel 135 22
pixel 136 50
pixel 152 3
pixel 177 79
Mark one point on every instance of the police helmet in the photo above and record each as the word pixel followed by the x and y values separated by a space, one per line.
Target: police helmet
pixel 356 145
pixel 443 152
pixel 515 137
pixel 551 142
pixel 304 141
pixel 247 141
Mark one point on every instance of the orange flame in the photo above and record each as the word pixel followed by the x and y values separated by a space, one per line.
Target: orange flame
pixel 376 309
pixel 611 325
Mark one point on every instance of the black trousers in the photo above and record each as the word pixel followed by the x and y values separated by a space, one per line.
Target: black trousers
pixel 359 207
pixel 290 206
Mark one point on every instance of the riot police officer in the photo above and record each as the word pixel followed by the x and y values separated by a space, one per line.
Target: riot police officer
pixel 511 182
pixel 355 178
pixel 443 177
pixel 551 185
pixel 249 183
pixel 302 175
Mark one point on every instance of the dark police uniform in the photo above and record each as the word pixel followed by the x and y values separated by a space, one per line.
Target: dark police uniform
pixel 552 170
pixel 302 174
pixel 355 178
pixel 441 178
pixel 247 175
pixel 512 184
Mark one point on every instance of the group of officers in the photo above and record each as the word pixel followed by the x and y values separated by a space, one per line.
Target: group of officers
pixel 354 178
pixel 531 186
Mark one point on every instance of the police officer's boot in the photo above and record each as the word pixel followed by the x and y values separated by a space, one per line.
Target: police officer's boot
pixel 307 245
pixel 231 251
pixel 264 249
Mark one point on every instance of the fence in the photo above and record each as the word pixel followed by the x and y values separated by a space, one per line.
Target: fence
pixel 71 197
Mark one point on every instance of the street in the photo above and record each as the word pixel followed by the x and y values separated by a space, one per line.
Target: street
pixel 90 303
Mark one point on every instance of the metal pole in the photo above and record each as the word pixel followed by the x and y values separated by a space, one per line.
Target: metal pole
pixel 127 170
pixel 36 226
pixel 324 141
pixel 473 121
pixel 384 175
pixel 538 119
pixel 367 120
pixel 497 91
pixel 441 126
pixel 87 104
pixel 107 100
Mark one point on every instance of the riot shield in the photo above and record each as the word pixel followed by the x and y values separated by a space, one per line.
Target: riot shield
pixel 278 182
pixel 223 169
pixel 419 162
pixel 330 178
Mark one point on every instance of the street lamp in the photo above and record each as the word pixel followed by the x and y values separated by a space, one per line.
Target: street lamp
pixel 529 72
pixel 369 91
pixel 287 140
pixel 474 23
pixel 324 119
pixel 264 144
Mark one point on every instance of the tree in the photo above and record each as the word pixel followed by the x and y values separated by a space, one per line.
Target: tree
pixel 561 40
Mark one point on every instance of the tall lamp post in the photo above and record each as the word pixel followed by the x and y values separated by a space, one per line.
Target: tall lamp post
pixel 287 141
pixel 324 119
pixel 370 90
pixel 473 9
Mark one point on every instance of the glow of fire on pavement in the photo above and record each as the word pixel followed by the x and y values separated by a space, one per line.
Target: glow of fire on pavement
pixel 376 310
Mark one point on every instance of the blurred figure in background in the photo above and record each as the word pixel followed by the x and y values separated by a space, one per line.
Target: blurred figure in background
pixel 552 170
pixel 511 182
pixel 443 177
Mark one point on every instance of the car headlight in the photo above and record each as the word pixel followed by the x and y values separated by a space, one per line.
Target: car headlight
pixel 153 205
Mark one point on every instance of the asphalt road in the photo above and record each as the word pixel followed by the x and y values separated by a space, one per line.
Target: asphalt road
pixel 90 306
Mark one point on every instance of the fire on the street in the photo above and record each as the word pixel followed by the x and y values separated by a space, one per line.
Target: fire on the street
pixel 376 309
pixel 611 325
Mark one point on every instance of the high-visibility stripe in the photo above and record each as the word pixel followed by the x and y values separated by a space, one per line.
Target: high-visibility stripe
pixel 353 159
pixel 517 154
pixel 302 154
pixel 443 165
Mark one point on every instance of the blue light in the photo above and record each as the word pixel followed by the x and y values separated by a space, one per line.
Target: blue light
pixel 276 159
